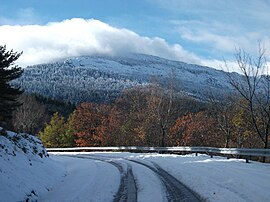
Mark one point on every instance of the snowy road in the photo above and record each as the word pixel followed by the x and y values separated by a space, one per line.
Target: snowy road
pixel 135 180
pixel 85 180
pixel 123 176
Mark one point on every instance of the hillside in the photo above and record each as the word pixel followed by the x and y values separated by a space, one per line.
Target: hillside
pixel 102 78
pixel 26 170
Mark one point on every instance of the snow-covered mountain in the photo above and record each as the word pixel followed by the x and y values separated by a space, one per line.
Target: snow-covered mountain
pixel 101 78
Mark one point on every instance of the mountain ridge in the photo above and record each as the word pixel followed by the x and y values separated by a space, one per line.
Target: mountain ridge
pixel 101 78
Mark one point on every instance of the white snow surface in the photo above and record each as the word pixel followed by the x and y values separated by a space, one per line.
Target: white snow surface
pixel 214 179
pixel 61 177
pixel 85 180
pixel 25 169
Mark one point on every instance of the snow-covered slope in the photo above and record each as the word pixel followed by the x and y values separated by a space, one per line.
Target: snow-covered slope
pixel 25 169
pixel 101 78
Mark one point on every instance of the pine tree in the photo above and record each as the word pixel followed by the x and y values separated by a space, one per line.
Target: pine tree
pixel 8 72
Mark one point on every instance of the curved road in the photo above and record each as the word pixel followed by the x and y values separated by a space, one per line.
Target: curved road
pixel 173 189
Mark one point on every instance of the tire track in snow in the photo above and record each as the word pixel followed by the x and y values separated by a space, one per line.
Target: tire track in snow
pixel 176 191
pixel 127 190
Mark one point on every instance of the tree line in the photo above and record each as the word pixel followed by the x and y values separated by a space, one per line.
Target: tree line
pixel 145 117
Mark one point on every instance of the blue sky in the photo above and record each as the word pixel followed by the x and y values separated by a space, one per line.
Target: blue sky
pixel 195 31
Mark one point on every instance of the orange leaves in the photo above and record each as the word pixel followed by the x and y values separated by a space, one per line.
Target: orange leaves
pixel 194 130
pixel 90 123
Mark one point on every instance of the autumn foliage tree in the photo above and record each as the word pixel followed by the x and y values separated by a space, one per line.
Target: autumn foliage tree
pixel 194 130
pixel 133 117
pixel 90 124
pixel 146 114
pixel 57 133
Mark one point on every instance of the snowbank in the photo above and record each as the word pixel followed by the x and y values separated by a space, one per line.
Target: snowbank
pixel 25 169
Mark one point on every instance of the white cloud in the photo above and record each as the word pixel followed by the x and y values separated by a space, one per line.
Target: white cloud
pixel 224 43
pixel 228 66
pixel 77 37
pixel 218 27
pixel 219 37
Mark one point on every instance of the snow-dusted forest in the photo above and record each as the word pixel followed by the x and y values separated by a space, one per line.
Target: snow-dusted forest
pixel 102 78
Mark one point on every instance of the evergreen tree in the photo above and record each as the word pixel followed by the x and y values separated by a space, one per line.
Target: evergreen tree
pixel 8 72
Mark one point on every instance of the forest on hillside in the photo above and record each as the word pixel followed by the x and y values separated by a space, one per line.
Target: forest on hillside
pixel 148 116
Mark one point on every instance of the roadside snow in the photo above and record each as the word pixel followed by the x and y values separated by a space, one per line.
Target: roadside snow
pixel 25 169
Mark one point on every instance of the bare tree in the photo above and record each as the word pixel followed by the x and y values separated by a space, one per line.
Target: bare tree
pixel 254 88
pixel 30 116
pixel 160 105
pixel 222 111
